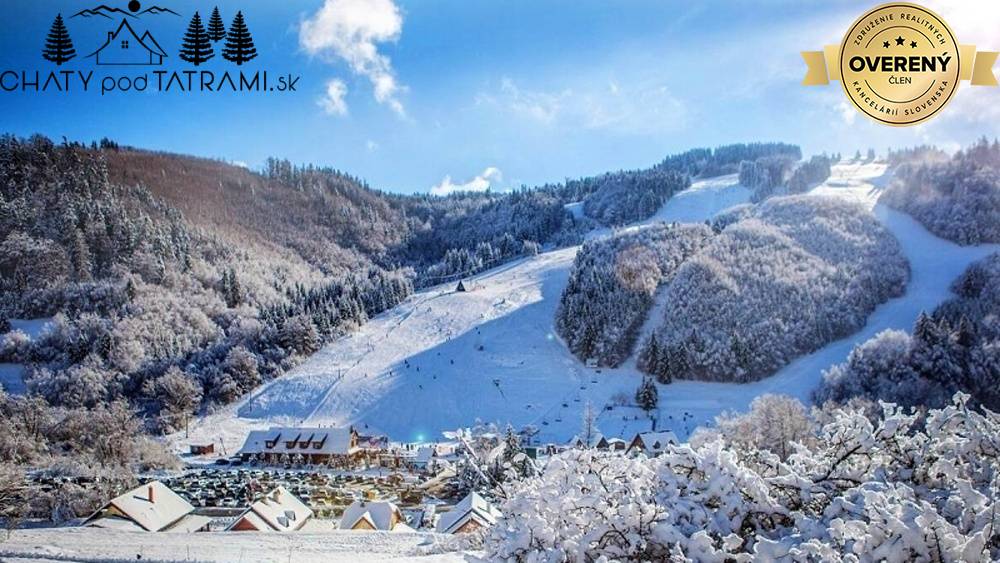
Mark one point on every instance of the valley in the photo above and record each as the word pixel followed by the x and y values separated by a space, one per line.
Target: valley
pixel 444 359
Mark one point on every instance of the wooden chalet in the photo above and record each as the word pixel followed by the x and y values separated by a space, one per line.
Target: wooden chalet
pixel 311 445
pixel 470 514
pixel 277 511
pixel 651 443
pixel 152 507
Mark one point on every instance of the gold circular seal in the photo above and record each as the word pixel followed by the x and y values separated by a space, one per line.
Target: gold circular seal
pixel 899 63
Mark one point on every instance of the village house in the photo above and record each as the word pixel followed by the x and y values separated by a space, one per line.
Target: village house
pixel 651 443
pixel 125 47
pixel 152 507
pixel 470 514
pixel 381 516
pixel 596 441
pixel 310 445
pixel 613 445
pixel 277 511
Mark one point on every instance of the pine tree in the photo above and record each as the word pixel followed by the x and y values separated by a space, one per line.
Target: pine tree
pixel 216 29
pixel 647 396
pixel 239 43
pixel 197 48
pixel 58 45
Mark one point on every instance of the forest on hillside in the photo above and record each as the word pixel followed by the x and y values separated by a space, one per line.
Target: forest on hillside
pixel 956 197
pixel 791 275
pixel 955 348
pixel 612 284
pixel 179 283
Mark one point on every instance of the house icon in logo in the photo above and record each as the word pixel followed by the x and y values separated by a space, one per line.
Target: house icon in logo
pixel 125 47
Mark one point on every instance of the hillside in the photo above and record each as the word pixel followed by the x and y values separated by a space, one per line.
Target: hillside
pixel 396 374
pixel 789 276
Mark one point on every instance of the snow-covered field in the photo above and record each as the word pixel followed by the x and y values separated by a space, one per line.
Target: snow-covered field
pixel 93 544
pixel 443 359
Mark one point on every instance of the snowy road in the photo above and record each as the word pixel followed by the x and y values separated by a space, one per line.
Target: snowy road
pixel 444 359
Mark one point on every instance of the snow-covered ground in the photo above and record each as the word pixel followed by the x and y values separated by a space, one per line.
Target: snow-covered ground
pixel 93 544
pixel 443 359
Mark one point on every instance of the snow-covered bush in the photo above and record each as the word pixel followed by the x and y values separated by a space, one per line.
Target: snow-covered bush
pixel 889 490
pixel 800 272
pixel 611 287
pixel 957 348
pixel 957 198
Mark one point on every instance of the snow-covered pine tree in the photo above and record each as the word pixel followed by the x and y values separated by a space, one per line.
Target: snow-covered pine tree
pixel 647 396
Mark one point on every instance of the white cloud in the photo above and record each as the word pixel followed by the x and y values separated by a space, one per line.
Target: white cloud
pixel 371 145
pixel 847 112
pixel 489 178
pixel 645 108
pixel 351 31
pixel 333 102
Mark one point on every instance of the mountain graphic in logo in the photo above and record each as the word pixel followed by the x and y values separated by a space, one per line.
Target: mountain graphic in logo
pixel 105 11
pixel 102 11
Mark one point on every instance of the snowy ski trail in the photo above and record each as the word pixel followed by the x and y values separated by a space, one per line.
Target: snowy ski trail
pixel 444 359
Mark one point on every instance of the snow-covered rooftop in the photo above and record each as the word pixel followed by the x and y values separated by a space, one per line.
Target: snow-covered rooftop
pixel 278 510
pixel 378 514
pixel 472 507
pixel 291 440
pixel 153 507
pixel 656 441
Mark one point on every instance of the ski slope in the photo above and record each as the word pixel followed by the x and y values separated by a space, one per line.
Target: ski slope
pixel 444 359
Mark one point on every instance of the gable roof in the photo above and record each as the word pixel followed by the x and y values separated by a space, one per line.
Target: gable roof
pixel 595 439
pixel 472 507
pixel 152 45
pixel 331 441
pixel 378 514
pixel 165 508
pixel 278 510
pixel 113 36
pixel 654 441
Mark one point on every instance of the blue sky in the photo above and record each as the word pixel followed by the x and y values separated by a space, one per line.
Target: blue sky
pixel 410 95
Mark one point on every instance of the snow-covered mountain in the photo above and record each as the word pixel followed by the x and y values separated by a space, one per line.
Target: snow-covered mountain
pixel 444 358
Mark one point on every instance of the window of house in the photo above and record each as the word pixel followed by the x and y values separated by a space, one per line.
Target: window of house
pixel 125 44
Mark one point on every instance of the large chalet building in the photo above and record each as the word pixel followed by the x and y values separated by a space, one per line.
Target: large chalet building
pixel 311 445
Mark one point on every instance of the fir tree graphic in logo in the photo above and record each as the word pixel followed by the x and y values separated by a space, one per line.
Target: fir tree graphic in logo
pixel 216 29
pixel 239 44
pixel 197 46
pixel 58 45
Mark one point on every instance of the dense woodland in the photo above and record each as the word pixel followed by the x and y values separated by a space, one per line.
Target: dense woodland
pixel 957 198
pixel 956 348
pixel 611 287
pixel 785 278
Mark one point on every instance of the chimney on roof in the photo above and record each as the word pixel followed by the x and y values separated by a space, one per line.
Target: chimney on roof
pixel 149 492
pixel 111 35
